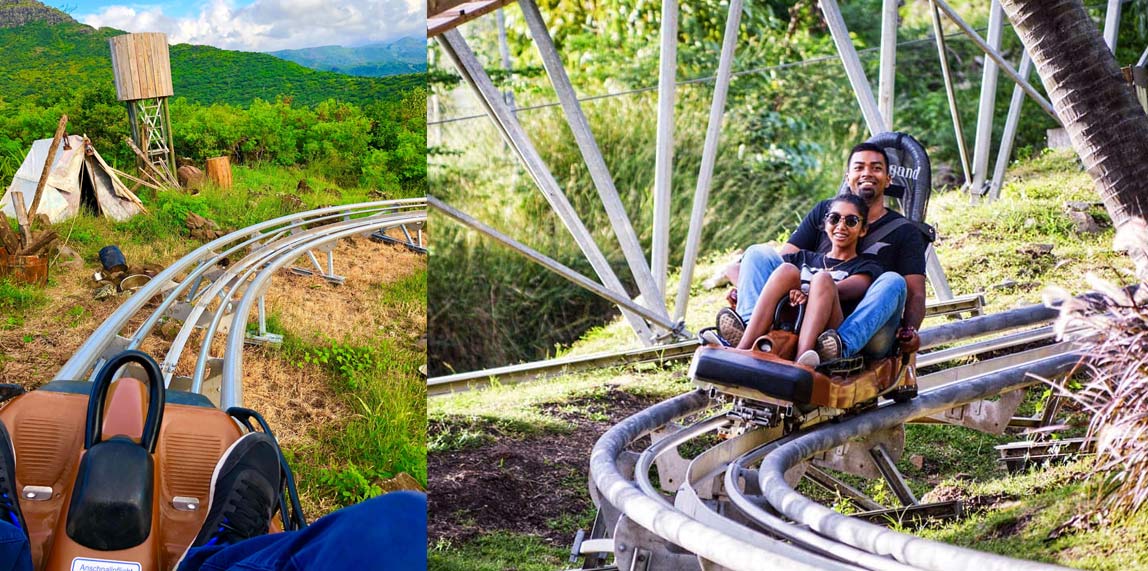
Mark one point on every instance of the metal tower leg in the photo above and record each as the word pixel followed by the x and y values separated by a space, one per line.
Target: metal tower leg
pixel 984 137
pixel 469 67
pixel 600 174
pixel 1009 134
pixel 885 82
pixel 852 61
pixel 664 159
pixel 709 154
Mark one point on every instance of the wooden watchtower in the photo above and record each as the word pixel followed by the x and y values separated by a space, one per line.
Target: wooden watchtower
pixel 142 71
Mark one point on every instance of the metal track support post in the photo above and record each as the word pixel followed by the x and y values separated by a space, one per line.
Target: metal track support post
pixel 885 82
pixel 997 58
pixel 861 88
pixel 599 173
pixel 936 274
pixel 664 157
pixel 892 475
pixel 984 137
pixel 1009 135
pixel 468 65
pixel 942 51
pixel 1112 23
pixel 622 300
pixel 709 156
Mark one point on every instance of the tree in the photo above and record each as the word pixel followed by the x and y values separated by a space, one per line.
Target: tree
pixel 1107 126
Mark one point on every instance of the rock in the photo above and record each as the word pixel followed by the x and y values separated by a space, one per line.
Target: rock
pixel 69 258
pixel 917 461
pixel 168 329
pixel 202 228
pixel 1004 285
pixel 401 482
pixel 1035 250
pixel 1085 223
pixel 303 186
pixel 190 177
pixel 1081 205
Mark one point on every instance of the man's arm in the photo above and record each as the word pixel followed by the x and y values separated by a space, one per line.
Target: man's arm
pixel 914 301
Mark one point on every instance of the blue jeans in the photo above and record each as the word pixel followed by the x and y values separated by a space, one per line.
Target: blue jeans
pixel 873 324
pixel 383 533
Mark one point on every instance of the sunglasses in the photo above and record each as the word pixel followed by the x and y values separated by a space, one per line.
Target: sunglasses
pixel 851 220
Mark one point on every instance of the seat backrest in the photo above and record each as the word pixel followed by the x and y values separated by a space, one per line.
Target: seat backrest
pixel 911 172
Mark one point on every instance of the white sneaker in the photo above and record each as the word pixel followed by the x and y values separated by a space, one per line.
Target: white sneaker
pixel 710 337
pixel 809 358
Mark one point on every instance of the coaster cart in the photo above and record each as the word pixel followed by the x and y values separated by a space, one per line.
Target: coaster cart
pixel 116 474
pixel 768 388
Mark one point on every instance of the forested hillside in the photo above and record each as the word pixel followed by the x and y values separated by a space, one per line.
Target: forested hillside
pixel 45 61
pixel 254 107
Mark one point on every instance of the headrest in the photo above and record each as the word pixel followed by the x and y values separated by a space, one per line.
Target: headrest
pixel 910 170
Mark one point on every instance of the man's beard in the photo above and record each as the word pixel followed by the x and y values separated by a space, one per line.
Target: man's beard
pixel 867 193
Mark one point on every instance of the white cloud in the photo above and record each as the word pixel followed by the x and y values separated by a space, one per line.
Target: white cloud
pixel 268 25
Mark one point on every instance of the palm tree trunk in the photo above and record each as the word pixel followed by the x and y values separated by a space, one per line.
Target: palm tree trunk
pixel 1106 124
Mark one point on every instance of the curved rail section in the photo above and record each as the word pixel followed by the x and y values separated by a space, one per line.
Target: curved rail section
pixel 734 505
pixel 213 290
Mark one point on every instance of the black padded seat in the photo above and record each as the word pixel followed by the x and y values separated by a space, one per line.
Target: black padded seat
pixel 738 368
pixel 170 396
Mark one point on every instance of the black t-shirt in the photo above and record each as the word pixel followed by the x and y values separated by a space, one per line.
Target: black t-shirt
pixel 813 263
pixel 901 251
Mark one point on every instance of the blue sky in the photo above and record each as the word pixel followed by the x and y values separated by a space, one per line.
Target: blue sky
pixel 258 25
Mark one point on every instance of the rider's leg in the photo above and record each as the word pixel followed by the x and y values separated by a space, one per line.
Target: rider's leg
pixel 757 264
pixel 785 278
pixel 873 324
pixel 384 533
pixel 822 311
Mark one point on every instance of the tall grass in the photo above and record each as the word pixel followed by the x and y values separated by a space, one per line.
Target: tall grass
pixel 378 377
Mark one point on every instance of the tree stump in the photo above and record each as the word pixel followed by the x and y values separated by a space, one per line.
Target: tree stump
pixel 219 171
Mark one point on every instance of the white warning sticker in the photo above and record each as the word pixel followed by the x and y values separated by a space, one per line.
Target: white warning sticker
pixel 85 564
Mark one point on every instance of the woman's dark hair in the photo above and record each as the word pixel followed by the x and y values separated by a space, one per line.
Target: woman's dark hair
pixel 857 201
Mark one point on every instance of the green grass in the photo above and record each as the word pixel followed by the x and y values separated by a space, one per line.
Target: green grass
pixel 474 418
pixel 1031 506
pixel 18 298
pixel 497 552
pixel 379 380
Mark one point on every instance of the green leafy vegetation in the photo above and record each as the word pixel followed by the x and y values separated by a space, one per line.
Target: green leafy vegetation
pixel 497 552
pixel 255 108
pixel 16 297
pixel 378 379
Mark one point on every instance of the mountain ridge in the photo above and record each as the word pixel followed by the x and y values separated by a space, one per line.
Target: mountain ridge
pixel 404 55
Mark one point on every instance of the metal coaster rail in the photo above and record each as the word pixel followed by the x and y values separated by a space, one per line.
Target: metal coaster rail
pixel 233 290
pixel 733 506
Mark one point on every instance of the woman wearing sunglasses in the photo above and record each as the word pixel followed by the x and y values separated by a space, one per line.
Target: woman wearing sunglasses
pixel 829 284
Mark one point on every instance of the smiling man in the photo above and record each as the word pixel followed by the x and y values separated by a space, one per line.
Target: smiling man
pixel 894 304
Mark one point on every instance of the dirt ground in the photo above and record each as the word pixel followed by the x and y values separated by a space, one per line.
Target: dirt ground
pixel 293 399
pixel 522 485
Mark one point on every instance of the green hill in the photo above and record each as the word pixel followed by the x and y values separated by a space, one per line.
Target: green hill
pixel 405 55
pixel 44 62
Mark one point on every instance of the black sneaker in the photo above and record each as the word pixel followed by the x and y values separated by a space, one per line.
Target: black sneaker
pixel 9 496
pixel 829 346
pixel 730 326
pixel 244 492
